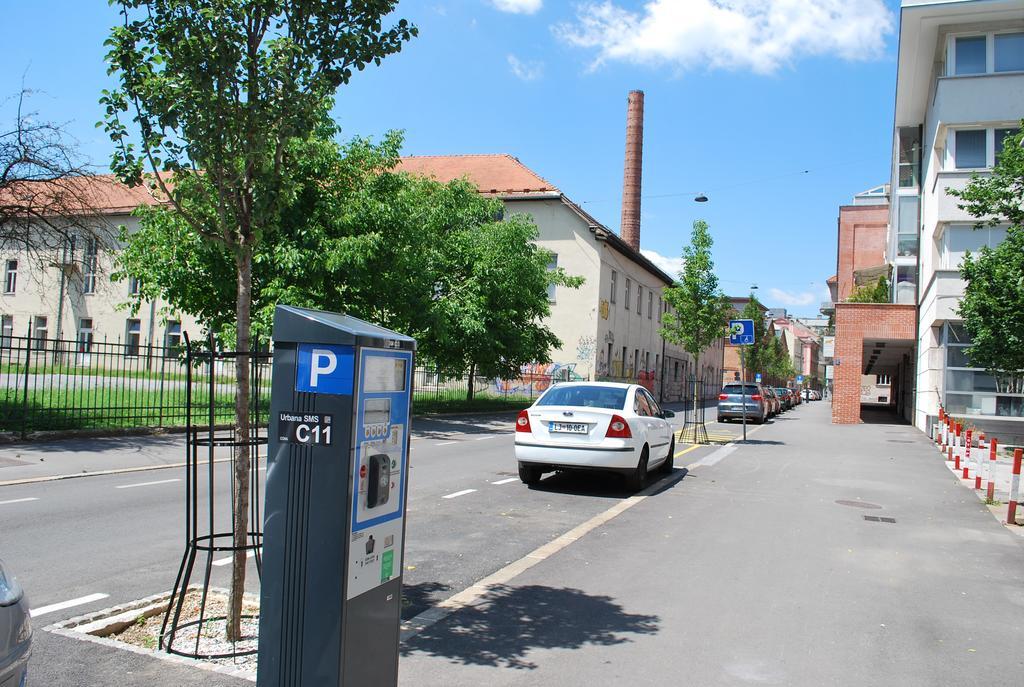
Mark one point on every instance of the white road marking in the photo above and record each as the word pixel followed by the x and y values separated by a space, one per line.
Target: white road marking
pixel 147 484
pixel 35 612
pixel 718 455
pixel 227 559
pixel 446 443
pixel 485 438
pixel 506 481
pixel 33 498
pixel 459 493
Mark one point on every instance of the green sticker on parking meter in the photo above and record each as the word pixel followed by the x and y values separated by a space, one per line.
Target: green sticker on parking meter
pixel 387 565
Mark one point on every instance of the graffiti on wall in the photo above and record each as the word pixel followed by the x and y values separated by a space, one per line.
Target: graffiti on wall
pixel 535 379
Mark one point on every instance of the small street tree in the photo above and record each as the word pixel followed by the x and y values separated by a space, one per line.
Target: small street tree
pixel 210 96
pixel 876 292
pixel 699 311
pixel 993 302
pixel 758 354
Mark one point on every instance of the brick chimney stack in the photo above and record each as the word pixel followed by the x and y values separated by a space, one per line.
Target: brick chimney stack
pixel 630 227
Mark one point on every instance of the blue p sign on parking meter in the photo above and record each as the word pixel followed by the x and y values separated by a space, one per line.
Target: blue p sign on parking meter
pixel 799 379
pixel 741 332
pixel 757 378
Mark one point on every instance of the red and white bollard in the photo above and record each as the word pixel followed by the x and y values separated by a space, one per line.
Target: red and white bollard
pixel 967 455
pixel 1011 513
pixel 956 447
pixel 992 448
pixel 979 467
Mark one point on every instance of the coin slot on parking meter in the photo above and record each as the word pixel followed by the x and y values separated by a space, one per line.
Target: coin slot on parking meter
pixel 334 530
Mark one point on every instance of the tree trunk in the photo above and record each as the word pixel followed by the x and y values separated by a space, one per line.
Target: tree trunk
pixel 472 380
pixel 240 492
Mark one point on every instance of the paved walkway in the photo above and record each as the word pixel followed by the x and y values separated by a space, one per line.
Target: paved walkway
pixel 816 555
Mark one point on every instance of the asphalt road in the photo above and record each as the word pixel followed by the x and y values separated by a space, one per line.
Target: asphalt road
pixel 122 537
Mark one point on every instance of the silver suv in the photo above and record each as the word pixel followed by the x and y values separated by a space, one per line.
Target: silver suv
pixel 15 631
pixel 736 395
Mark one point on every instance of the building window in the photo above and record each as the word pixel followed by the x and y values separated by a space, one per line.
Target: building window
pixel 969 148
pixel 659 309
pixel 636 360
pixel 132 337
pixel 676 372
pixel 970 55
pixel 639 299
pixel 615 279
pixel 552 266
pixel 629 289
pixel 647 361
pixel 910 156
pixel 622 372
pixel 971 391
pixel 172 339
pixel 986 54
pixel 1009 52
pixel 1000 139
pixel 89 266
pixel 650 304
pixel 609 360
pixel 133 286
pixel 905 289
pixel 85 336
pixel 39 332
pixel 6 330
pixel 907 227
pixel 959 239
pixel 11 277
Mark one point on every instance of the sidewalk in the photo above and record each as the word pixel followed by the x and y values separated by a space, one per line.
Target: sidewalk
pixel 815 555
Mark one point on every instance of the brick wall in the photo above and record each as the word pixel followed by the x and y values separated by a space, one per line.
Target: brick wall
pixel 862 237
pixel 854 323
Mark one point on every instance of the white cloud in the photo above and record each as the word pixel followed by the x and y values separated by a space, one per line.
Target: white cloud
pixel 671 266
pixel 526 70
pixel 518 6
pixel 755 35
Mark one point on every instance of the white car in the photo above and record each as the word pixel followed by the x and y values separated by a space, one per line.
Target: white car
pixel 595 426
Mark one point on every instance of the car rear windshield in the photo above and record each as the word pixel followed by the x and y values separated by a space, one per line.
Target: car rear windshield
pixel 609 397
pixel 782 390
pixel 747 389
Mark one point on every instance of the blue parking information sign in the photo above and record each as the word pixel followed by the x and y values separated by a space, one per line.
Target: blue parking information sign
pixel 799 379
pixel 741 332
pixel 757 378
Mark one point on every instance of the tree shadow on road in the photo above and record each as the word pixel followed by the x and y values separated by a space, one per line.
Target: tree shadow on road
pixel 417 598
pixel 509 622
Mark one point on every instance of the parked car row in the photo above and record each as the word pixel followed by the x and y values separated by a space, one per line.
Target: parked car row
pixel 757 402
pixel 811 395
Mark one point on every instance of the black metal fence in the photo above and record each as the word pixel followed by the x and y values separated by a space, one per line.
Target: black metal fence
pixel 63 384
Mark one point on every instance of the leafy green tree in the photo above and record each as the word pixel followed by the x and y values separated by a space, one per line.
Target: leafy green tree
pixel 878 292
pixel 403 251
pixel 699 311
pixel 217 91
pixel 993 304
pixel 780 364
pixel 757 356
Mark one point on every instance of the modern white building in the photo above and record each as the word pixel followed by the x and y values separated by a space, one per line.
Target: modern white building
pixel 959 93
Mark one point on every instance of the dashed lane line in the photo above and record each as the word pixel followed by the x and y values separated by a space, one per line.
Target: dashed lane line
pixel 446 443
pixel 53 608
pixel 506 481
pixel 459 493
pixel 227 559
pixel 31 498
pixel 485 438
pixel 147 484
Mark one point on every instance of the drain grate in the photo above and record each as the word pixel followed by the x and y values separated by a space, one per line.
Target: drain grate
pixel 858 504
pixel 875 518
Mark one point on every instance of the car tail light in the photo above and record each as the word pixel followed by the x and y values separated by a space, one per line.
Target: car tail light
pixel 755 397
pixel 618 429
pixel 523 422
pixel 723 397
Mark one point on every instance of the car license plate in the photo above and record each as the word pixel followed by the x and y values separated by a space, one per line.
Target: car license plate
pixel 571 427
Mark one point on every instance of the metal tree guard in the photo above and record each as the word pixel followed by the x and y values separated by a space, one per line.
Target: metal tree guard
pixel 694 412
pixel 205 536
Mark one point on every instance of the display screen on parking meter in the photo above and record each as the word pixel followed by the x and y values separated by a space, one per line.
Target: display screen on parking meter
pixel 380 449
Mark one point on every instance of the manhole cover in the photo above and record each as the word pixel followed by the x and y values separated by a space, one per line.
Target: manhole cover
pixel 858 504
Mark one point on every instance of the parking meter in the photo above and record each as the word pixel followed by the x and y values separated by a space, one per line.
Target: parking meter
pixel 334 528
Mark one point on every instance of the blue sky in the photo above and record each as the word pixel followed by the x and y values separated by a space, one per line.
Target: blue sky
pixel 778 110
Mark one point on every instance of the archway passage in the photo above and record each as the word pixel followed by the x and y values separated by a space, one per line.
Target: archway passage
pixel 874 363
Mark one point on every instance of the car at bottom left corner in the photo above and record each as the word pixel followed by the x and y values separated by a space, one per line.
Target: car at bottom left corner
pixel 15 631
pixel 599 426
